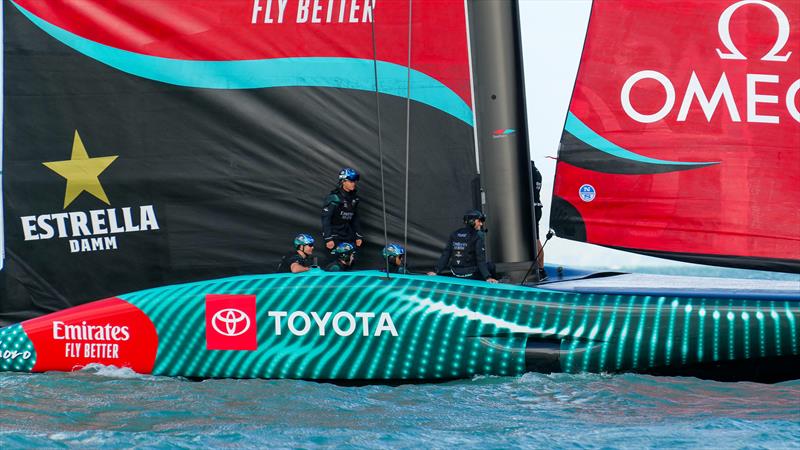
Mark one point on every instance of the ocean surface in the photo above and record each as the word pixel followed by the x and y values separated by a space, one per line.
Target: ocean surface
pixel 111 407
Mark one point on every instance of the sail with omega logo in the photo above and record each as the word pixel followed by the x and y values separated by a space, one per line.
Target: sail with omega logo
pixel 683 133
pixel 152 143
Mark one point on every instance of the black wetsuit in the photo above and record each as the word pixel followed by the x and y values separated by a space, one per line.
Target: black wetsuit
pixel 393 268
pixel 464 256
pixel 338 266
pixel 340 221
pixel 537 189
pixel 286 262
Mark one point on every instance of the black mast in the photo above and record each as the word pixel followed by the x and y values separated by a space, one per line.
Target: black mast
pixel 500 106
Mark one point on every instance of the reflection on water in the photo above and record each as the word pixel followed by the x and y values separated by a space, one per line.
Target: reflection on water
pixel 113 407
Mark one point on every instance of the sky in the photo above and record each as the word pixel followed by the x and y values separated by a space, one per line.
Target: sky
pixel 553 32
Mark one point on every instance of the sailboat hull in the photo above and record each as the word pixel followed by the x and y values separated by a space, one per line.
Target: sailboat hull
pixel 364 326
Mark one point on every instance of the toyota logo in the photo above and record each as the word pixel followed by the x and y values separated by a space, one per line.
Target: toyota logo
pixel 230 322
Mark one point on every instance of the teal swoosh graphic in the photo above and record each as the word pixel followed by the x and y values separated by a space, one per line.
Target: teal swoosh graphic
pixel 579 129
pixel 348 73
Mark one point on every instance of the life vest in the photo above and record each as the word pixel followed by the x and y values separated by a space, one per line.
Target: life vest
pixel 462 258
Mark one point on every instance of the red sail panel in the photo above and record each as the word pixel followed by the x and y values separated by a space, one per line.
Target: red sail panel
pixel 683 134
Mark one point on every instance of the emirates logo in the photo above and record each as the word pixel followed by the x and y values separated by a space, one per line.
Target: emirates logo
pixel 230 322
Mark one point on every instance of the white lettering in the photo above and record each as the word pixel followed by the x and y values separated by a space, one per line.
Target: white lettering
pixel 353 10
pixel 61 221
pixel 28 228
pixel 369 5
pixel 302 11
pixel 128 220
pixel 349 318
pixel 694 89
pixel 753 98
pixel 257 9
pixel 321 322
pixel 343 323
pixel 316 9
pixel 723 27
pixel 385 324
pixel 74 246
pixel 98 221
pixel 791 95
pixel 277 315
pixel 79 224
pixel 365 316
pixel 148 218
pixel 281 9
pixel 626 93
pixel 44 226
pixel 112 222
pixel 306 325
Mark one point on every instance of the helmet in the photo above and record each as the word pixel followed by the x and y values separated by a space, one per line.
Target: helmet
pixel 303 239
pixel 348 174
pixel 344 250
pixel 471 216
pixel 392 250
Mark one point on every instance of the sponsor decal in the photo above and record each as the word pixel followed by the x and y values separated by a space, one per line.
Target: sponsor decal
pixel 87 231
pixel 312 11
pixel 342 323
pixel 587 192
pixel 231 322
pixel 503 133
pixel 760 88
pixel 110 332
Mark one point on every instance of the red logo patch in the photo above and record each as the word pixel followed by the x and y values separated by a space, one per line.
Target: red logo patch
pixel 231 322
pixel 109 332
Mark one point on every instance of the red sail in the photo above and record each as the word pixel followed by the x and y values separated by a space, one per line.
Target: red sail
pixel 683 134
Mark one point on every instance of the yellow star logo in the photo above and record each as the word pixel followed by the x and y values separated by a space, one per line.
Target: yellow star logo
pixel 81 172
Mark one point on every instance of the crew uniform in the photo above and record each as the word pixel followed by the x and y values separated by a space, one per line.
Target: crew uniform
pixel 465 255
pixel 537 199
pixel 291 258
pixel 340 221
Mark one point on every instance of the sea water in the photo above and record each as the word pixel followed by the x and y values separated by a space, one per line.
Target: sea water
pixel 111 407
pixel 107 407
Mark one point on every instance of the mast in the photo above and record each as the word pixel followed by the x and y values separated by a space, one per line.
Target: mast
pixel 501 129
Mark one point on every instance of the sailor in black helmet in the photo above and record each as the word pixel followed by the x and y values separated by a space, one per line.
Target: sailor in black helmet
pixel 300 260
pixel 343 261
pixel 465 253
pixel 340 221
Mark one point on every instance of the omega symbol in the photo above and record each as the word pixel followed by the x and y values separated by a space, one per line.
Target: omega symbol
pixel 235 322
pixel 725 33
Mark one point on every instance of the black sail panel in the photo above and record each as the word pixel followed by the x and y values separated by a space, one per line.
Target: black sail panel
pixel 124 175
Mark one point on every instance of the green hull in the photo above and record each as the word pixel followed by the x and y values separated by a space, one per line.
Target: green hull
pixel 429 328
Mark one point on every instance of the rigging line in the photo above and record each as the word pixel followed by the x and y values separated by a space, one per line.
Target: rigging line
pixel 408 138
pixel 380 136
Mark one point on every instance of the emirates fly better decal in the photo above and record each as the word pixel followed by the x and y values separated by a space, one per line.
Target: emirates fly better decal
pixel 684 121
pixel 109 332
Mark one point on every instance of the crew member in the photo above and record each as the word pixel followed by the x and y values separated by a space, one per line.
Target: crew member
pixel 340 221
pixel 300 260
pixel 343 258
pixel 537 208
pixel 394 255
pixel 464 256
